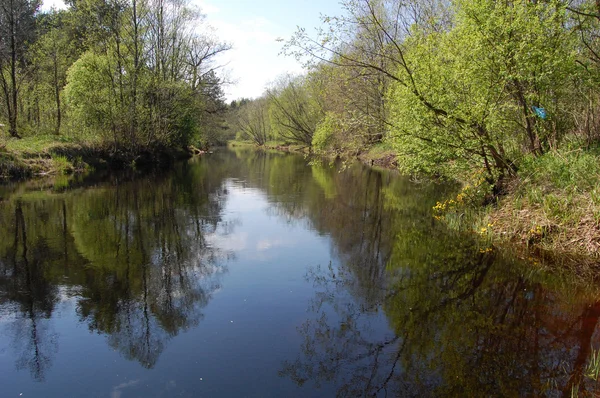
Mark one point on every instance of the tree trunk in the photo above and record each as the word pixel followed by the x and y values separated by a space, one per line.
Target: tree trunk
pixel 12 116
pixel 57 95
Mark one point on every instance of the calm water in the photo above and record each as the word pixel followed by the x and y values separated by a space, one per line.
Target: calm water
pixel 245 274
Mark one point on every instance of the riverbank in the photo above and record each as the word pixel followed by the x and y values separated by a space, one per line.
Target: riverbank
pixel 380 156
pixel 551 209
pixel 271 145
pixel 553 204
pixel 50 155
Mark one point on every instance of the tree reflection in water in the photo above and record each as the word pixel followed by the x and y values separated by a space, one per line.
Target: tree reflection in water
pixel 25 289
pixel 466 321
pixel 405 307
pixel 135 256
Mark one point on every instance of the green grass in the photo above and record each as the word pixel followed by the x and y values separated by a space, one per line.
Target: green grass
pixel 554 203
pixel 62 165
pixel 44 155
pixel 35 144
pixel 33 155
pixel 552 206
pixel 563 186
pixel 575 171
pixel 381 148
pixel 592 370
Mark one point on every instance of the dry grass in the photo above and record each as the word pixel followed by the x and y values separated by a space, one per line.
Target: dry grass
pixel 554 205
pixel 531 225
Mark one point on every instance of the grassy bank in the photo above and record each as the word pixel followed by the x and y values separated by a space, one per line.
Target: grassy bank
pixel 551 209
pixel 380 155
pixel 52 155
pixel 554 204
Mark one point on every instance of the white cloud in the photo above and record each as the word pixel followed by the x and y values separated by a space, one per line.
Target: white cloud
pixel 206 7
pixel 254 60
pixel 233 242
pixel 47 5
pixel 117 390
pixel 266 244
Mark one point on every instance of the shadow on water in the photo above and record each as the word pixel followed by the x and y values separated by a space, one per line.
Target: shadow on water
pixel 405 307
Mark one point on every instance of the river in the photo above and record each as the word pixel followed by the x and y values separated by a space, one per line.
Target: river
pixel 258 274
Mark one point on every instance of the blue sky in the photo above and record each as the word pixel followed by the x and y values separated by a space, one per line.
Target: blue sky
pixel 252 27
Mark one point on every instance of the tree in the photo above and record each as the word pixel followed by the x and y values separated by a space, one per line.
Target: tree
pixel 253 121
pixel 154 72
pixel 466 101
pixel 17 31
pixel 53 53
pixel 462 76
pixel 356 53
pixel 294 109
pixel 90 95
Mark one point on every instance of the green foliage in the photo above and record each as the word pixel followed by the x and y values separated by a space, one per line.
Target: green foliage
pixel 109 71
pixel 453 89
pixel 89 95
pixel 178 114
pixel 252 121
pixel 294 110
pixel 471 89
pixel 325 132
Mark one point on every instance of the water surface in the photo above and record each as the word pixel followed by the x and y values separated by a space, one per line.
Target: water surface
pixel 252 274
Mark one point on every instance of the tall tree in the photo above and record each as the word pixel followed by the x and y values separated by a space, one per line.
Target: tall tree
pixel 53 53
pixel 17 31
